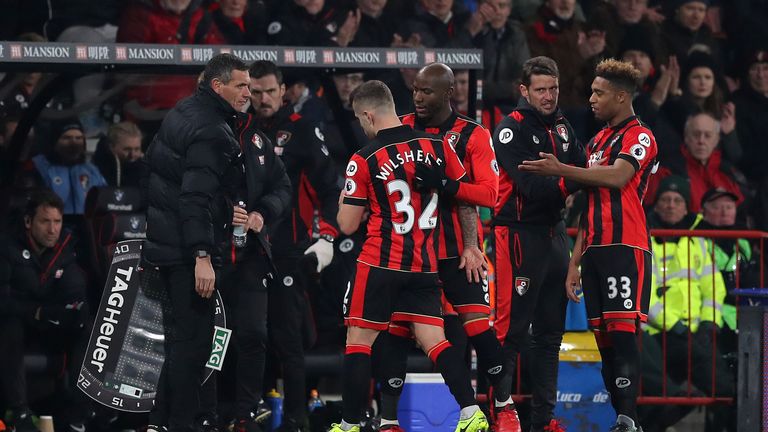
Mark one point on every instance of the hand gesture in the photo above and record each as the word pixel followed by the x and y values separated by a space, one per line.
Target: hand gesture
pixel 728 120
pixel 591 44
pixel 348 30
pixel 473 262
pixel 548 165
pixel 654 15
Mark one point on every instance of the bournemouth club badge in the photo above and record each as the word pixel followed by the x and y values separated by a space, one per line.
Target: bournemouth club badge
pixel 521 285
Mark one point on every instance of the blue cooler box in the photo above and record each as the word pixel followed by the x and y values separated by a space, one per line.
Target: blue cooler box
pixel 427 405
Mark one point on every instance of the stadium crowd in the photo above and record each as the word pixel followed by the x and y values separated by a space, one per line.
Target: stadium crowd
pixel 704 94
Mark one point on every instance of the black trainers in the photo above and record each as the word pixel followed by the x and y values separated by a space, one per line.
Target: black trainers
pixel 22 422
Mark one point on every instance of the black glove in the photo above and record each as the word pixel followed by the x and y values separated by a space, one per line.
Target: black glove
pixel 433 177
pixel 68 315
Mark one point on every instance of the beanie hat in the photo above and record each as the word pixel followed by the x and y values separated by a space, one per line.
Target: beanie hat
pixel 677 184
pixel 635 39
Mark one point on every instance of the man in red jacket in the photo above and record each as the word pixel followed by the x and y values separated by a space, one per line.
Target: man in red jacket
pixel 702 161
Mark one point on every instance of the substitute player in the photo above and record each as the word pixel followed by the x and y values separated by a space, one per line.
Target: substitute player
pixel 459 240
pixel 531 243
pixel 396 275
pixel 613 245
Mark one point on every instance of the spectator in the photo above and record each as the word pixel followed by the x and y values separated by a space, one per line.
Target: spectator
pixel 117 155
pixel 165 22
pixel 735 258
pixel 443 23
pixel 702 91
pixel 621 16
pixel 687 29
pixel 492 115
pixel 63 167
pixel 557 34
pixel 240 22
pixel 751 102
pixel 686 297
pixel 24 84
pixel 658 84
pixel 43 304
pixel 505 48
pixel 313 23
pixel 702 161
pixel 378 24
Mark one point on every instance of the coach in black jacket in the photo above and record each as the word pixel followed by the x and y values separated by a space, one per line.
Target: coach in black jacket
pixel 42 304
pixel 194 167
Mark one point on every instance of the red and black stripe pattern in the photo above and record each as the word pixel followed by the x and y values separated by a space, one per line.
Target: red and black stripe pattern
pixel 616 216
pixel 402 226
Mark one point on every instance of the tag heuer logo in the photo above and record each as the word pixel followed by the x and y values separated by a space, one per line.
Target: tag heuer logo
pixel 521 285
pixel 221 337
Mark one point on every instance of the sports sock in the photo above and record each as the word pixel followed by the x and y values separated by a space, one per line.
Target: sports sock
pixel 455 373
pixel 357 376
pixel 625 374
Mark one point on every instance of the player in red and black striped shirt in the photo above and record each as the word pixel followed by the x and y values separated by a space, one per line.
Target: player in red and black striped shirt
pixel 396 276
pixel 615 252
pixel 460 236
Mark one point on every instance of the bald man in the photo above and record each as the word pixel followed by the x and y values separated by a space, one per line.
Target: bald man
pixel 466 292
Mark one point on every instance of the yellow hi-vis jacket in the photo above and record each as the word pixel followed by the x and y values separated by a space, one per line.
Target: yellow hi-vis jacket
pixel 672 269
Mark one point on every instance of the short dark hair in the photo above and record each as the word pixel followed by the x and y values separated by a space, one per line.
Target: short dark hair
pixel 620 74
pixel 540 65
pixel 262 68
pixel 44 198
pixel 372 93
pixel 221 66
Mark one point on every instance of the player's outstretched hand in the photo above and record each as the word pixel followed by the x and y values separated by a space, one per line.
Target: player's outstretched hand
pixel 573 283
pixel 548 165
pixel 473 262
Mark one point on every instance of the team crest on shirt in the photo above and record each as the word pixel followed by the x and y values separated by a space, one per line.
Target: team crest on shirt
pixel 563 132
pixel 84 181
pixel 452 138
pixel 256 140
pixel 535 139
pixel 282 138
pixel 594 158
pixel 521 285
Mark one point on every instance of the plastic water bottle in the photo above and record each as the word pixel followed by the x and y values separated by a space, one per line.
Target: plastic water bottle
pixel 314 400
pixel 275 402
pixel 239 235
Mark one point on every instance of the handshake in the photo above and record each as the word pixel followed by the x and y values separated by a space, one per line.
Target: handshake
pixel 71 315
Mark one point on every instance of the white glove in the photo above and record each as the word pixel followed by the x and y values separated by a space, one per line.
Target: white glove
pixel 323 249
